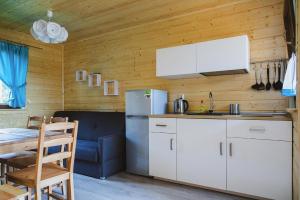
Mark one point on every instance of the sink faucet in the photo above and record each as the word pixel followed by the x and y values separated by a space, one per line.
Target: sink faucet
pixel 211 103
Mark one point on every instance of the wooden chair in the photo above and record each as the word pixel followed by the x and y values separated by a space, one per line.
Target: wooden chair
pixel 27 161
pixel 34 122
pixel 21 159
pixel 7 162
pixel 61 163
pixel 8 192
pixel 46 173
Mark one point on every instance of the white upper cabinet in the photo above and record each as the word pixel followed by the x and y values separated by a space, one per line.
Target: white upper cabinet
pixel 216 57
pixel 176 61
pixel 224 56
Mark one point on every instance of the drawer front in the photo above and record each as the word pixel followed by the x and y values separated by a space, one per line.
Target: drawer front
pixel 162 125
pixel 260 129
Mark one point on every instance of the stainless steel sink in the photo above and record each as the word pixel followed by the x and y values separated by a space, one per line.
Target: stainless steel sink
pixel 243 114
pixel 209 113
pixel 263 114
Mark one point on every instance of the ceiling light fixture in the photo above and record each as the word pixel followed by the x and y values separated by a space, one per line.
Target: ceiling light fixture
pixel 48 32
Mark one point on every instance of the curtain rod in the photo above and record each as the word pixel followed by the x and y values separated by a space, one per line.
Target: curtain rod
pixel 20 43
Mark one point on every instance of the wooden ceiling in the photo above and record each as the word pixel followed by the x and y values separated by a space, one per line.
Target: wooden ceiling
pixel 86 18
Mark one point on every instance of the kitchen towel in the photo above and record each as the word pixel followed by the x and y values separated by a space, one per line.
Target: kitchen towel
pixel 290 79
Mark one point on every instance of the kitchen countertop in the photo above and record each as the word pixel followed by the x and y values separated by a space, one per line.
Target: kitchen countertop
pixel 236 117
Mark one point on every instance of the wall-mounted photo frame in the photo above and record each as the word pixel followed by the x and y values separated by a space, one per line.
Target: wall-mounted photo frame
pixel 111 88
pixel 94 80
pixel 81 75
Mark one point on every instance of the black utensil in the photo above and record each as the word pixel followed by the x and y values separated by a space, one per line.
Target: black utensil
pixel 256 85
pixel 279 83
pixel 261 85
pixel 268 85
pixel 274 77
pixel 283 71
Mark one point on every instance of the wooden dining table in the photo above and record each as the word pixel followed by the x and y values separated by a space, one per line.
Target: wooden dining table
pixel 20 139
pixel 6 196
pixel 9 192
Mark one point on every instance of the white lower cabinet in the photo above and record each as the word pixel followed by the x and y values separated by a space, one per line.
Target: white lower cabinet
pixel 252 157
pixel 162 155
pixel 201 152
pixel 260 167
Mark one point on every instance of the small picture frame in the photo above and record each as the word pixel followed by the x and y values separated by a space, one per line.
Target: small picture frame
pixel 94 80
pixel 81 75
pixel 111 88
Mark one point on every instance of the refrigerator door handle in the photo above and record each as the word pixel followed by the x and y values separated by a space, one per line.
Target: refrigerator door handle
pixel 161 125
pixel 137 116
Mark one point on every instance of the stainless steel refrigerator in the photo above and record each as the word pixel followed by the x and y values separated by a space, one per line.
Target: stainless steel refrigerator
pixel 140 104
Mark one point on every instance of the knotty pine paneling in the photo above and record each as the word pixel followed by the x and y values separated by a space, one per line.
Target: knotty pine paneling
pixel 128 55
pixel 90 17
pixel 44 80
pixel 296 116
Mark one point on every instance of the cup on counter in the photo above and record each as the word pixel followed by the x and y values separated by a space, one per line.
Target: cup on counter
pixel 234 109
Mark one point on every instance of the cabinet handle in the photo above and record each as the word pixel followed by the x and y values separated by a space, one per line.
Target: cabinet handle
pixel 221 148
pixel 171 144
pixel 230 149
pixel 161 125
pixel 257 129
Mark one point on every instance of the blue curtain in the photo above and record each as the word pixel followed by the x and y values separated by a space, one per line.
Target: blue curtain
pixel 13 72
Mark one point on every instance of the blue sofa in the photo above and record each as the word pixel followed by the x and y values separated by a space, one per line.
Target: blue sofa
pixel 100 150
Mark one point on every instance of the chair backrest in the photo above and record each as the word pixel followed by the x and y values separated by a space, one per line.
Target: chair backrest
pixel 65 139
pixel 35 122
pixel 58 119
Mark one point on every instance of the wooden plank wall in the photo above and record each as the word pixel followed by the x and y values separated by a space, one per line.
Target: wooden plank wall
pixel 44 80
pixel 128 55
pixel 296 117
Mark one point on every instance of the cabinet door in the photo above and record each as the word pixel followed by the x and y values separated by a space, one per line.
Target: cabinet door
pixel 223 54
pixel 201 152
pixel 162 155
pixel 260 167
pixel 180 60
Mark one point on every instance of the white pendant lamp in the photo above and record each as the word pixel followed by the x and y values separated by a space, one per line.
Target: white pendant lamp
pixel 48 32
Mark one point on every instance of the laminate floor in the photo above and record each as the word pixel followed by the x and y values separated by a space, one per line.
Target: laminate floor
pixel 125 186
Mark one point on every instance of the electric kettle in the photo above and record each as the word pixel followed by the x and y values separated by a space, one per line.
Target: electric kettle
pixel 181 105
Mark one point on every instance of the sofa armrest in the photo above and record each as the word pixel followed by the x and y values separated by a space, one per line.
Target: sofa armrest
pixel 111 147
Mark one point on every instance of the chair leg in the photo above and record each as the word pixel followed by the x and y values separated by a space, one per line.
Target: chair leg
pixel 70 184
pixel 64 188
pixel 7 169
pixel 38 194
pixel 29 190
pixel 49 192
pixel 4 171
pixel 1 174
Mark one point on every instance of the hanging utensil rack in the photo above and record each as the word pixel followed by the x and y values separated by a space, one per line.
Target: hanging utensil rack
pixel 258 67
pixel 269 61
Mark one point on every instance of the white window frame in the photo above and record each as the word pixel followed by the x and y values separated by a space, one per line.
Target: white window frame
pixel 2 90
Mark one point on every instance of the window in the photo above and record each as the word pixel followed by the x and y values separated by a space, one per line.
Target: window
pixel 4 94
pixel 13 66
